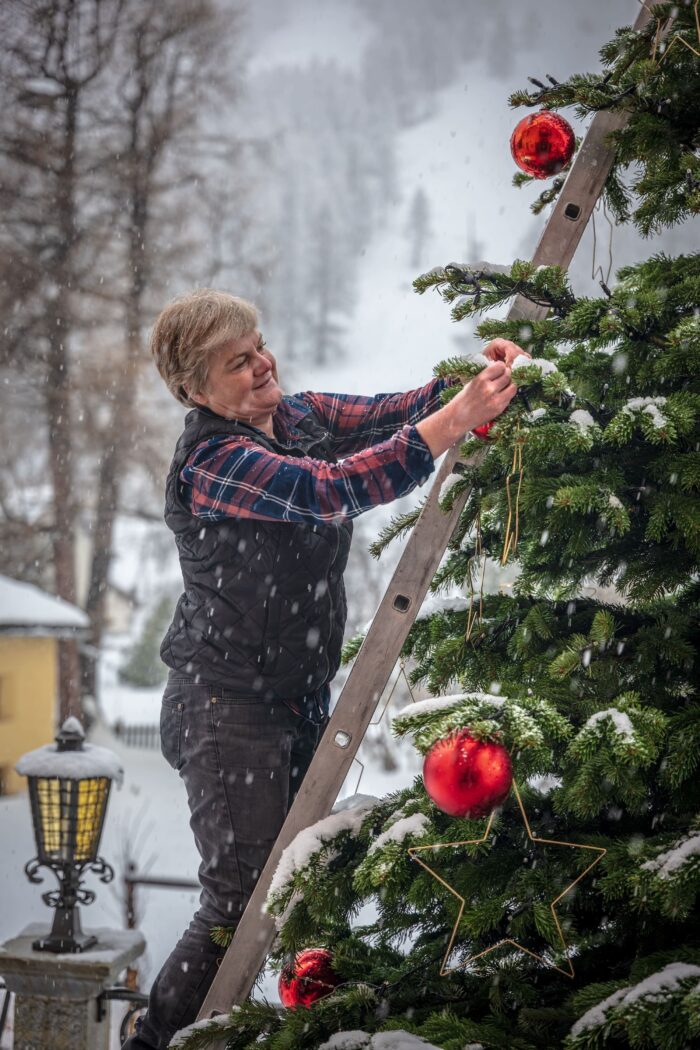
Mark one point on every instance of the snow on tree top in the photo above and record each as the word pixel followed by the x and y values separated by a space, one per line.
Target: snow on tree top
pixel 181 1037
pixel 582 419
pixel 666 864
pixel 358 1040
pixel 523 361
pixel 355 1040
pixel 346 816
pixel 450 481
pixel 439 703
pixel 436 604
pixel 621 721
pixel 90 761
pixel 657 986
pixel 650 407
pixel 24 605
pixel 414 825
pixel 481 266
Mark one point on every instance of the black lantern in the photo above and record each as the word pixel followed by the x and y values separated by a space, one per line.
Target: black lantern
pixel 68 790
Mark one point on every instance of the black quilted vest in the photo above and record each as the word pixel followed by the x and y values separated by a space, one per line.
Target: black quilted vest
pixel 263 610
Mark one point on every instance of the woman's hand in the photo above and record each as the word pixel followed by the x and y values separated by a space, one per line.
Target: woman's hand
pixel 504 350
pixel 481 400
pixel 484 397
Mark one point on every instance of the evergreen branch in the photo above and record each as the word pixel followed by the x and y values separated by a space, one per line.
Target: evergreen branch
pixel 399 526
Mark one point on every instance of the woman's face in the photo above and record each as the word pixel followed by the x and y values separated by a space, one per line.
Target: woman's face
pixel 242 381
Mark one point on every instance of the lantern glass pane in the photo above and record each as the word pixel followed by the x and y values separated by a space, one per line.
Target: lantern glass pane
pixel 92 799
pixel 50 830
pixel 70 816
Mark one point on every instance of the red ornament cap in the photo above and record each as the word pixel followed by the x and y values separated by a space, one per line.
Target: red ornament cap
pixel 466 777
pixel 542 144
pixel 308 978
pixel 483 431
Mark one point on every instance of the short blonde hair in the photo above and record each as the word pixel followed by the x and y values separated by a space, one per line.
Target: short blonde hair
pixel 189 329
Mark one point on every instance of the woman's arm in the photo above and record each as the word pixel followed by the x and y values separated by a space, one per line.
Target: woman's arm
pixel 237 478
pixel 356 422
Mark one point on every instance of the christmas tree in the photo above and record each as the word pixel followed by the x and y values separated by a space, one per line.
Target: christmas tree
pixel 568 917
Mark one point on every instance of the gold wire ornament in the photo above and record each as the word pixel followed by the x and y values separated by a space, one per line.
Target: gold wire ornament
pixel 663 25
pixel 512 534
pixel 413 852
pixel 475 613
pixel 376 721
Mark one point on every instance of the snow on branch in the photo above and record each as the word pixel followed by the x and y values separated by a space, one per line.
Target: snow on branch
pixel 358 1040
pixel 658 987
pixel 667 864
pixel 346 816
pixel 414 826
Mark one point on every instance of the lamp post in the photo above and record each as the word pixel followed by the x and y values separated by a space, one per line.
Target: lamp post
pixel 69 785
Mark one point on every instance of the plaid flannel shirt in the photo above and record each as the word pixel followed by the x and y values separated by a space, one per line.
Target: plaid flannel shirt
pixel 384 458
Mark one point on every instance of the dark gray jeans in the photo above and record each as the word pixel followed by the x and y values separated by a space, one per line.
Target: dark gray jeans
pixel 242 761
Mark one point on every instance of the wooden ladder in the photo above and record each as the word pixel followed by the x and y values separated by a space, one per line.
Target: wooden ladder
pixel 421 556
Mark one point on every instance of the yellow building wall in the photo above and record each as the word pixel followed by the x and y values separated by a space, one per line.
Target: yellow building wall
pixel 28 690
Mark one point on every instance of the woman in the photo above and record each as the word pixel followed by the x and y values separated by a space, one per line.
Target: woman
pixel 262 515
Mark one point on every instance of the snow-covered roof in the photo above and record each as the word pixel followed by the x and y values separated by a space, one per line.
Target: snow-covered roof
pixel 27 609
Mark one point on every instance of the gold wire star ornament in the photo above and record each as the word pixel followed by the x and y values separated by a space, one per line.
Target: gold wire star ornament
pixel 377 720
pixel 413 852
pixel 664 25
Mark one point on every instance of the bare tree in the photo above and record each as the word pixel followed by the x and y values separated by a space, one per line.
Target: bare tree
pixel 114 129
pixel 54 51
pixel 167 76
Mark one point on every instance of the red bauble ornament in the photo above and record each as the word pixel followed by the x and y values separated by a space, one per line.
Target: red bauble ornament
pixel 308 978
pixel 466 777
pixel 542 144
pixel 483 431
